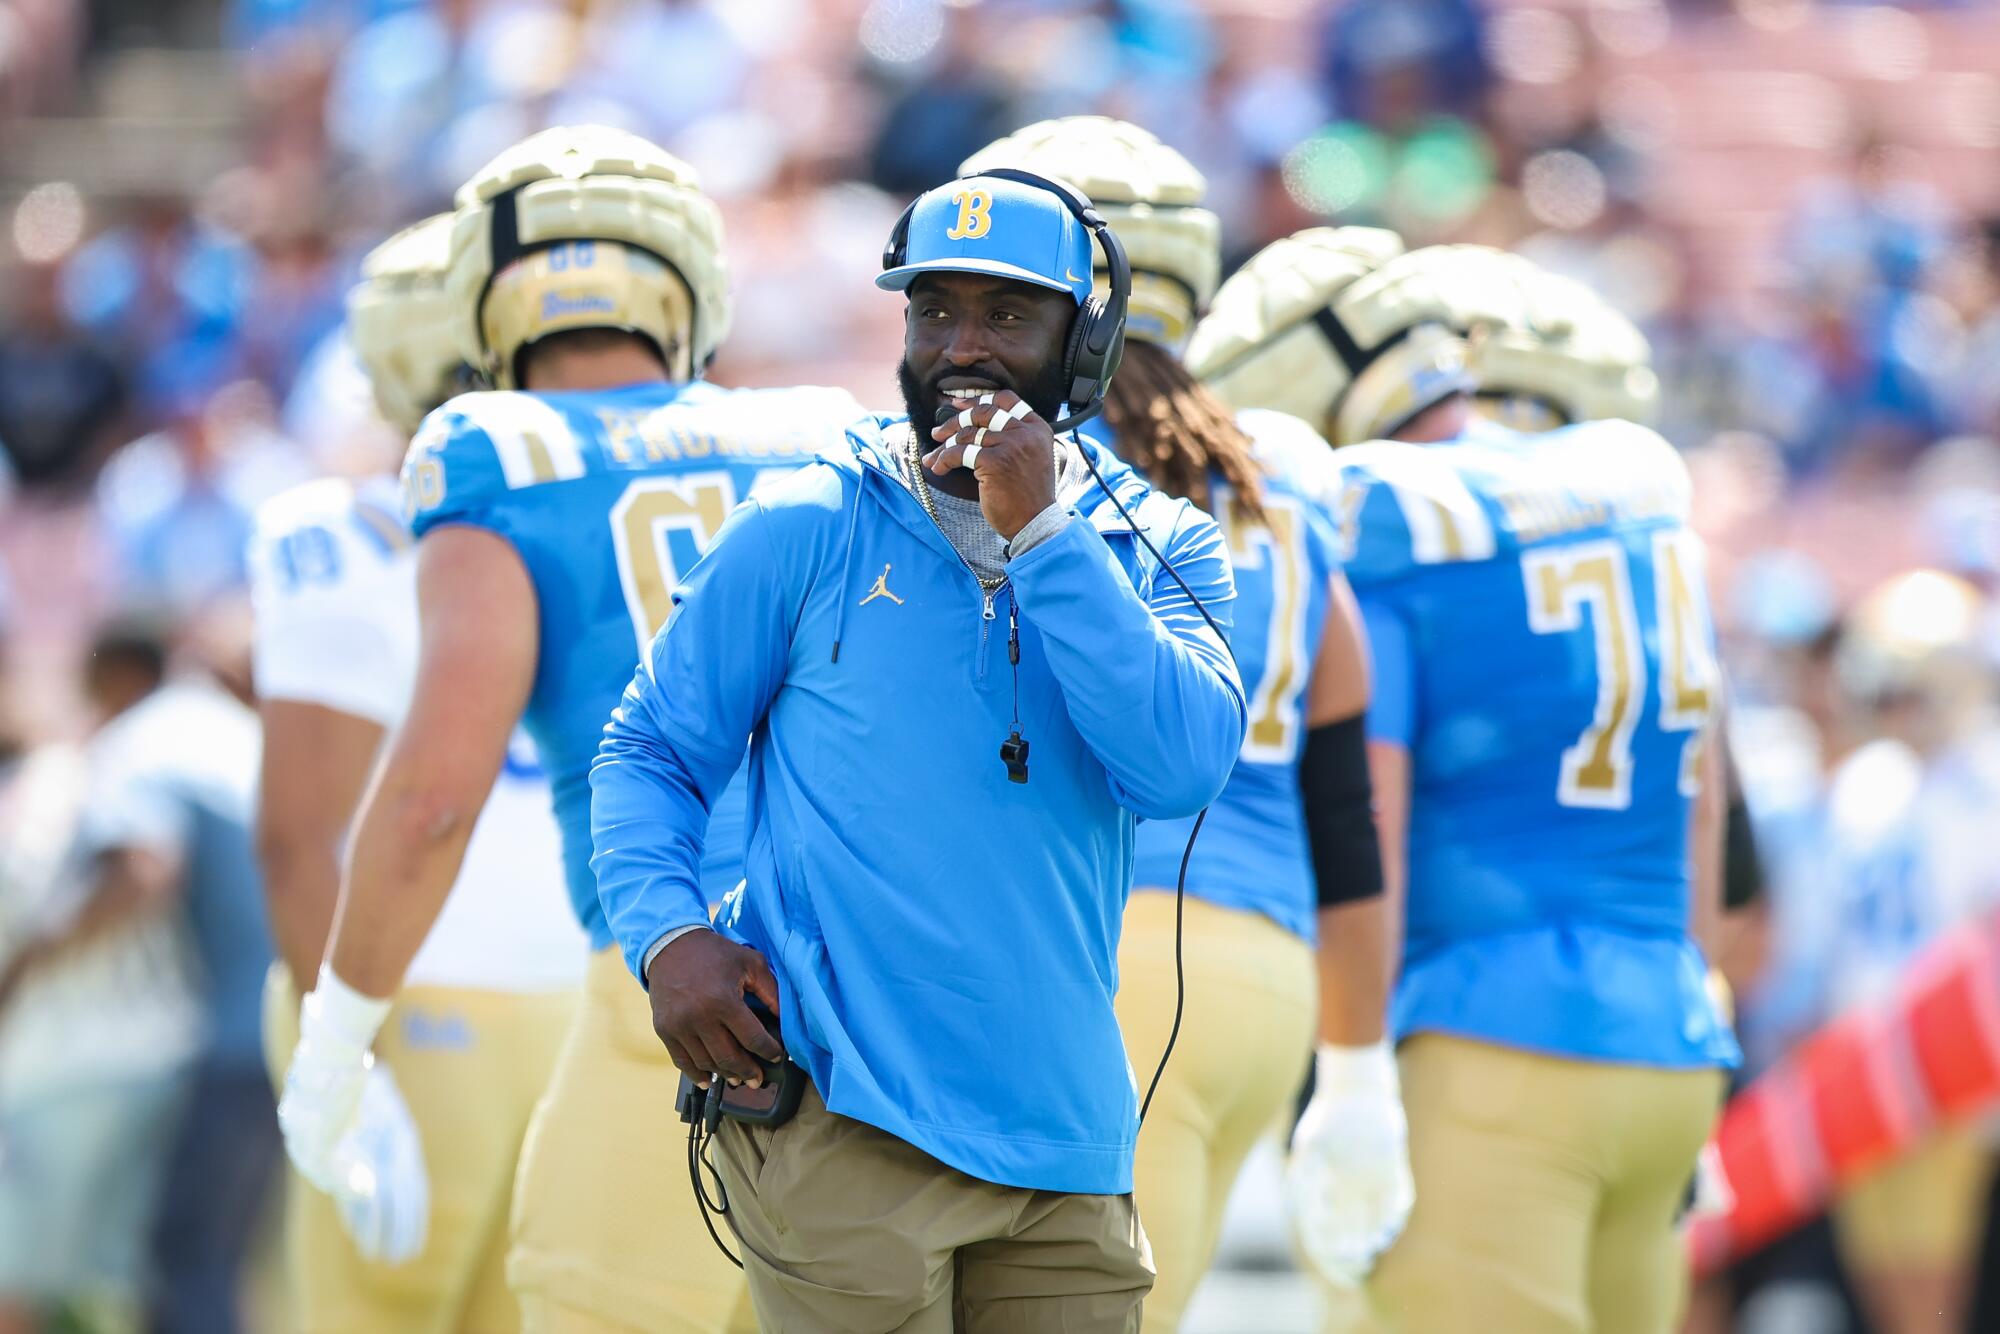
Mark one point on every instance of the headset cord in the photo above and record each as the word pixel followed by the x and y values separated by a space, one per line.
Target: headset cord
pixel 700 1138
pixel 1180 979
pixel 1187 854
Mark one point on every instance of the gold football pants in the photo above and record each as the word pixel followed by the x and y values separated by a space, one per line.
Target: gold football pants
pixel 1245 1042
pixel 471 1065
pixel 1546 1195
pixel 607 1236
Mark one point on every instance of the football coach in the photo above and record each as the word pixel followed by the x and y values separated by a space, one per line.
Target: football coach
pixel 964 678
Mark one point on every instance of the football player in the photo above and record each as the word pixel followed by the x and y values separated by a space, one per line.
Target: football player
pixel 473 1034
pixel 1904 853
pixel 1288 851
pixel 1544 684
pixel 552 517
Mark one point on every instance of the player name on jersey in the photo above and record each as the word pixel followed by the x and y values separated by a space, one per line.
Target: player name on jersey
pixel 728 429
pixel 1588 487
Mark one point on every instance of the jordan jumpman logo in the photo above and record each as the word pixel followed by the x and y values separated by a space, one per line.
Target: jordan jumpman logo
pixel 881 589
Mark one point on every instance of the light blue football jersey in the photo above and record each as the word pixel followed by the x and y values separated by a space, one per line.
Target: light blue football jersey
pixel 1536 608
pixel 608 497
pixel 1252 851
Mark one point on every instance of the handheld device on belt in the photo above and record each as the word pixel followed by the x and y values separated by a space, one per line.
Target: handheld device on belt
pixel 769 1105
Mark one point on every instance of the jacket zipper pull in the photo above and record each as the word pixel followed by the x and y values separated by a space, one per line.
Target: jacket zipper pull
pixel 986 612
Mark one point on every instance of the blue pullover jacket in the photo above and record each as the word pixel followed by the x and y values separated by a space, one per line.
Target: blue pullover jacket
pixel 945 940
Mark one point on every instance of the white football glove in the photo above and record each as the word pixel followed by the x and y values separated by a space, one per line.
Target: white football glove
pixel 346 1127
pixel 1348 1186
pixel 381 1187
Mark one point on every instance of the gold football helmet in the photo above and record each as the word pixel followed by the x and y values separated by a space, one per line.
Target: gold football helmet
pixel 1918 635
pixel 587 227
pixel 1540 350
pixel 1150 195
pixel 1549 351
pixel 401 322
pixel 1325 326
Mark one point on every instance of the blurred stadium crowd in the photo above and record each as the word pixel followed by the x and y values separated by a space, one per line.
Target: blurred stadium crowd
pixel 1795 199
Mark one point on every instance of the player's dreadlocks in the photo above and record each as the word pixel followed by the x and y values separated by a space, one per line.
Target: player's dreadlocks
pixel 1175 431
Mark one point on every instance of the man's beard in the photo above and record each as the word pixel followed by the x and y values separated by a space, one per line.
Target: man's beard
pixel 928 406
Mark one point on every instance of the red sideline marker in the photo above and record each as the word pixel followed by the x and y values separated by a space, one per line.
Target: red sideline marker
pixel 1866 1089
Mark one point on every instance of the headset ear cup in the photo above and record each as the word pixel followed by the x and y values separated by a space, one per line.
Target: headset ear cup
pixel 1079 331
pixel 1081 366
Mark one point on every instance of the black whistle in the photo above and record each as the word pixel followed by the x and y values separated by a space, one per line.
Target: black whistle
pixel 1014 754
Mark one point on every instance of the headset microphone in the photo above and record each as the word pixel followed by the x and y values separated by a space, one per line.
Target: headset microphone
pixel 1077 418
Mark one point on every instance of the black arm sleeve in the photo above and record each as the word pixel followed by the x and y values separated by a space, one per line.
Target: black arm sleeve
pixel 1340 815
pixel 1742 864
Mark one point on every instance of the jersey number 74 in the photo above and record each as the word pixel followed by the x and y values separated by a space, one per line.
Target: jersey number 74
pixel 1596 771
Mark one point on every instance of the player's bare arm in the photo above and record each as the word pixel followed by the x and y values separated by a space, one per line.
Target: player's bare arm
pixel 1708 819
pixel 316 764
pixel 480 630
pixel 1389 775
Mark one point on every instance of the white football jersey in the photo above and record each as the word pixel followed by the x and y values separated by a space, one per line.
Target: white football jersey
pixel 334 586
pixel 1908 855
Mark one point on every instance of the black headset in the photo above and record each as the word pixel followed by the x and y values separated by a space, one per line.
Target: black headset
pixel 1096 341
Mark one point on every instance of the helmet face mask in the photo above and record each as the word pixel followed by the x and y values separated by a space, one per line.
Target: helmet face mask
pixel 586 227
pixel 1524 413
pixel 1407 377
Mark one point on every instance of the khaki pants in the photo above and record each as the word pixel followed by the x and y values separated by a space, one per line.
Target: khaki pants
pixel 606 1233
pixel 1244 1044
pixel 845 1229
pixel 1546 1194
pixel 471 1065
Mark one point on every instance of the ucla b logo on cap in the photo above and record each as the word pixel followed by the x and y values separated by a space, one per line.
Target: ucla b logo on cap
pixel 975 215
pixel 991 225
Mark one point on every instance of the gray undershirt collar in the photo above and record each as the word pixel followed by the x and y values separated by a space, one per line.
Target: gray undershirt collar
pixel 964 524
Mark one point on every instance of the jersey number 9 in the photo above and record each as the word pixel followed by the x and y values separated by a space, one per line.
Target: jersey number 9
pixel 643 521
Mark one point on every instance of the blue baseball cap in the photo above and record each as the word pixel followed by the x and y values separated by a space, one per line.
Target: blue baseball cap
pixel 993 225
